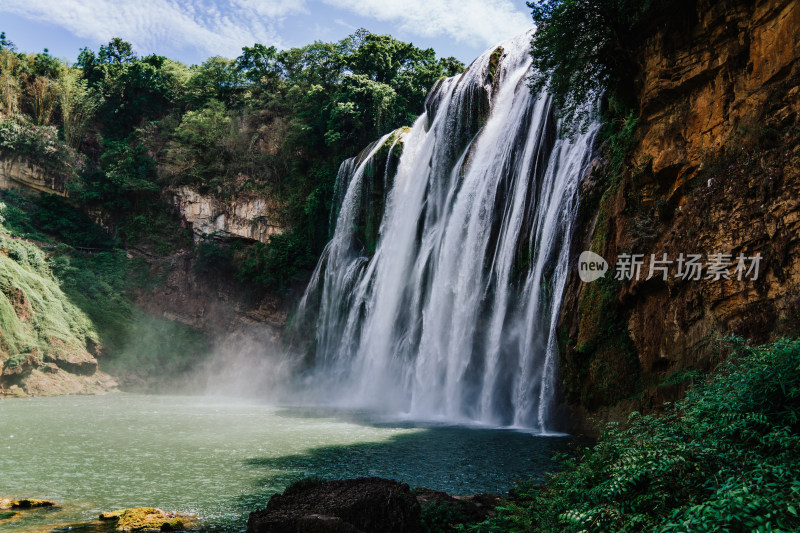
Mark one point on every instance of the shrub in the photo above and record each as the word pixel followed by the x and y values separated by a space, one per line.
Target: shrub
pixel 582 49
pixel 722 459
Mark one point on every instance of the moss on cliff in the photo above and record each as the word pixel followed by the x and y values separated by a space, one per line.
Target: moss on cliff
pixel 36 316
pixel 62 307
pixel 599 366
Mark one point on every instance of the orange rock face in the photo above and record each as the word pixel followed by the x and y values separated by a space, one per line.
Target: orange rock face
pixel 715 168
pixel 733 63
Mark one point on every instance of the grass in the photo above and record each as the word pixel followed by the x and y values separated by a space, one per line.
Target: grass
pixel 34 310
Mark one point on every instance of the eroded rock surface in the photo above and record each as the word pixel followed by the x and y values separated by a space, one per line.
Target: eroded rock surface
pixel 715 169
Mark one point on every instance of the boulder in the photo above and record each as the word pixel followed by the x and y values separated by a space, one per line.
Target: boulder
pixel 363 505
pixel 30 503
pixel 73 359
pixel 146 519
pixel 440 509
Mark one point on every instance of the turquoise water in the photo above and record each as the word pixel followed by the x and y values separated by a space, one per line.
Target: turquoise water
pixel 222 459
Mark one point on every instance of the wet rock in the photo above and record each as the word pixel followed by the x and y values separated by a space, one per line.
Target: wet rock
pixel 28 503
pixel 73 359
pixel 344 506
pixel 441 511
pixel 146 519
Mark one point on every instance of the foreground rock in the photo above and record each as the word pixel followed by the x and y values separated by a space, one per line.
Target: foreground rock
pixel 146 519
pixel 15 508
pixel 345 506
pixel 441 511
pixel 28 503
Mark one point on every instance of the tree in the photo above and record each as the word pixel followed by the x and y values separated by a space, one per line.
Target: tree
pixel 315 64
pixel 258 64
pixel 116 51
pixel 579 50
pixel 134 89
pixel 5 44
pixel 584 48
pixel 197 151
pixel 78 105
pixel 217 78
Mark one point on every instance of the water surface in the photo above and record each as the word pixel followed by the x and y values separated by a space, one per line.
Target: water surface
pixel 222 459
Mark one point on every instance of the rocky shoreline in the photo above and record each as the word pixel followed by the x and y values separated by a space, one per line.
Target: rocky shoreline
pixel 133 519
pixel 357 505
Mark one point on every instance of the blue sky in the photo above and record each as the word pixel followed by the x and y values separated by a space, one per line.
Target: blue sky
pixel 193 30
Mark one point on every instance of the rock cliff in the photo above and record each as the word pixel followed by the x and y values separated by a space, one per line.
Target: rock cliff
pixel 714 169
pixel 248 217
pixel 20 173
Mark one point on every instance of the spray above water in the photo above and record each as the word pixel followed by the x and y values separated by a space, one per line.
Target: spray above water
pixel 447 309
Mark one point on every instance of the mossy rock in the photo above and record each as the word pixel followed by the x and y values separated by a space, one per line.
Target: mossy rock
pixel 494 62
pixel 31 503
pixel 145 519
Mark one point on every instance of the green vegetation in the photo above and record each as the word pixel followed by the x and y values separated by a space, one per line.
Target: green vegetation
pixel 54 295
pixel 582 50
pixel 36 316
pixel 276 123
pixel 722 459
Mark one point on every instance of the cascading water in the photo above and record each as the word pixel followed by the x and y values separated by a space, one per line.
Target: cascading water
pixel 451 312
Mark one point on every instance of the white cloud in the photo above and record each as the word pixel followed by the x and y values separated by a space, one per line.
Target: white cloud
pixel 222 27
pixel 345 24
pixel 477 22
pixel 218 28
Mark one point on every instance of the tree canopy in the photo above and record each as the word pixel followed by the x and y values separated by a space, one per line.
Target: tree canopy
pixel 275 122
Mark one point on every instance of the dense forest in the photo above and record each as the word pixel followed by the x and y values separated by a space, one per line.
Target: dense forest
pixel 120 129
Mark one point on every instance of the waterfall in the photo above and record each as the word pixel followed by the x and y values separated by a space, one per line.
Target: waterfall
pixel 447 309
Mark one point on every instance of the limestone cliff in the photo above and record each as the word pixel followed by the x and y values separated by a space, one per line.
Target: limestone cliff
pixel 212 302
pixel 245 216
pixel 714 169
pixel 21 173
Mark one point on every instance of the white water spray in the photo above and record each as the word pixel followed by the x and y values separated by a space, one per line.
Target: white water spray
pixel 453 316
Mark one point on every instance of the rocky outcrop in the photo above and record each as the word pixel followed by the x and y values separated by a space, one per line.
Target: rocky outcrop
pixel 245 216
pixel 714 169
pixel 347 506
pixel 443 510
pixel 19 173
pixel 147 519
pixel 27 503
pixel 212 302
pixel 736 66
